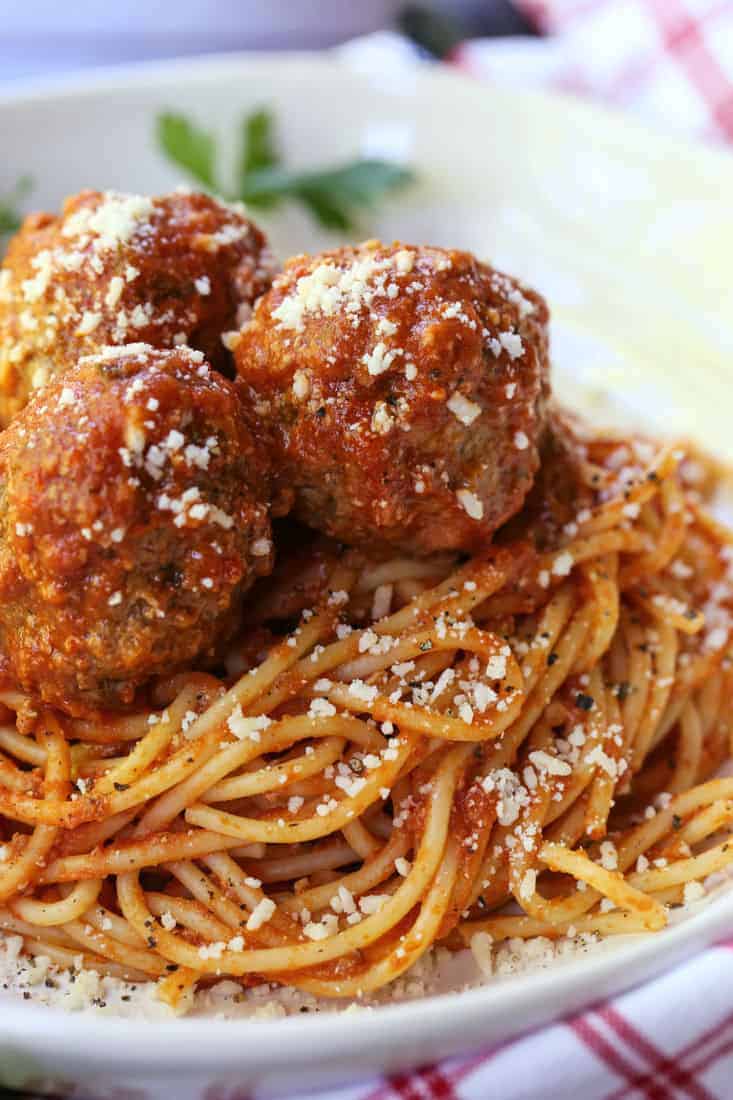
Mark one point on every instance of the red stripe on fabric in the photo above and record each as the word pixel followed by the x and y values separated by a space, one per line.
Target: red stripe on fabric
pixel 710 1035
pixel 615 1061
pixel 437 1085
pixel 460 58
pixel 470 1065
pixel 390 1087
pixel 682 34
pixel 662 1066
pixel 686 1053
pixel 712 1057
pixel 404 1086
pixel 423 1084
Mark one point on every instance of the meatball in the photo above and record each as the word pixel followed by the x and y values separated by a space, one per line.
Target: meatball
pixel 113 269
pixel 132 518
pixel 402 393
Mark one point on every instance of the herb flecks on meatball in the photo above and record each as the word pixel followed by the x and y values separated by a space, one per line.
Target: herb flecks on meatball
pixel 401 391
pixel 115 269
pixel 132 519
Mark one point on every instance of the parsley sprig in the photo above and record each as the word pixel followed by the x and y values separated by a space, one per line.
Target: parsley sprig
pixel 10 216
pixel 332 195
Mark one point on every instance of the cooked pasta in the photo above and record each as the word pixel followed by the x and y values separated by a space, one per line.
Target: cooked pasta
pixel 522 743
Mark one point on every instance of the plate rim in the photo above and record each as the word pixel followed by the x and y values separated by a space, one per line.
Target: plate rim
pixel 131 76
pixel 103 1039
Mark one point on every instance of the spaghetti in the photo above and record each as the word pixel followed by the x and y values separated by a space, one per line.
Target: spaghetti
pixel 520 744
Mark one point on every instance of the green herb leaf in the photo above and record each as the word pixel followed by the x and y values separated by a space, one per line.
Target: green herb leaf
pixel 189 146
pixel 259 148
pixel 360 183
pixel 330 194
pixel 10 217
pixel 259 151
pixel 327 209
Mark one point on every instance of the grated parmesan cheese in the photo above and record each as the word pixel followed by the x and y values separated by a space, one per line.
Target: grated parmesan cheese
pixel 261 914
pixel 464 410
pixel 470 503
pixel 244 727
pixel 562 564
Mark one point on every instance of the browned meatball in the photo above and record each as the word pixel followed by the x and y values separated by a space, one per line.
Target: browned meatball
pixel 402 392
pixel 132 518
pixel 115 269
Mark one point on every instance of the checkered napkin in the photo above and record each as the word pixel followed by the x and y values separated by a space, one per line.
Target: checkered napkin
pixel 670 62
pixel 667 61
pixel 672 1039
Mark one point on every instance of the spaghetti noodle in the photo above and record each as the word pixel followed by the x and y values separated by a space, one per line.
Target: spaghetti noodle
pixel 520 744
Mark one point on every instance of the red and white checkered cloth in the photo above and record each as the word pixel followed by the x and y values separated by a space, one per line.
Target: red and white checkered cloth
pixel 671 62
pixel 671 1039
pixel 667 61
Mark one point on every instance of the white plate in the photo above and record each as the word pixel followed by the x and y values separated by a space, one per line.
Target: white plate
pixel 630 237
